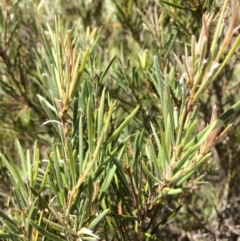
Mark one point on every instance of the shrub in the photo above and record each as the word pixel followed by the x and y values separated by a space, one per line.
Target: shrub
pixel 130 140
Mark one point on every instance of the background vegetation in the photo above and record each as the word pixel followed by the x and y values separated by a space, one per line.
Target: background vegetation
pixel 105 109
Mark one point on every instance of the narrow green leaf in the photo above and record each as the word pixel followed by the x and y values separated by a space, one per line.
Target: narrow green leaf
pixel 1 20
pixel 156 138
pixel 77 80
pixel 90 126
pixel 229 55
pixel 54 225
pixel 36 163
pixel 184 178
pixel 104 132
pixel 76 69
pixel 83 212
pixel 110 221
pixel 175 117
pixel 14 171
pixel 189 132
pixel 47 46
pixel 8 219
pixel 71 154
pixel 45 233
pixel 122 178
pixel 47 105
pixel 31 216
pixel 22 157
pixel 107 68
pixel 81 145
pixel 56 168
pixel 45 177
pixel 173 4
pixel 187 156
pixel 90 194
pixel 107 181
pixel 19 198
pixel 220 121
pixel 117 132
pixel 167 138
pixel 29 168
pixel 48 108
pixel 98 219
pixel 189 168
pixel 159 78
pixel 149 174
pixel 11 236
pixel 101 114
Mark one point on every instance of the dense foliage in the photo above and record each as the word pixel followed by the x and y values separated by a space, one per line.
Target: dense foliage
pixel 118 120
